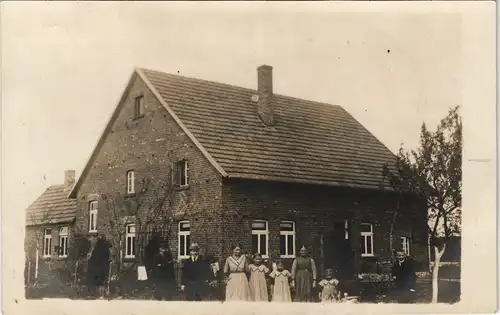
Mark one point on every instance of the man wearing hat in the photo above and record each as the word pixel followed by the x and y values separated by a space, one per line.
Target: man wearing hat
pixel 403 274
pixel 195 274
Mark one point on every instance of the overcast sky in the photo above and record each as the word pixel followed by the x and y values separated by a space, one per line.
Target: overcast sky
pixel 65 66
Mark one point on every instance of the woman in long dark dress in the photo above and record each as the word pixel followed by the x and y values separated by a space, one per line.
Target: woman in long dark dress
pixel 303 276
pixel 98 267
pixel 163 273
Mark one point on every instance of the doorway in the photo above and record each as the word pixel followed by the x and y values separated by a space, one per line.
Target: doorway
pixel 338 253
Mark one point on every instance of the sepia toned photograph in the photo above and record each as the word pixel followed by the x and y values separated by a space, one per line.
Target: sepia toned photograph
pixel 287 155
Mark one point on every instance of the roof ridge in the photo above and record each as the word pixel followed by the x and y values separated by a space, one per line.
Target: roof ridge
pixel 200 80
pixel 237 87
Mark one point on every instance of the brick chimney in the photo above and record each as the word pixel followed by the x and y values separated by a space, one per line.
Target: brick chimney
pixel 69 177
pixel 265 92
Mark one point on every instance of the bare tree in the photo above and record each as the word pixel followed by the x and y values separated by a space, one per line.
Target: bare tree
pixel 433 172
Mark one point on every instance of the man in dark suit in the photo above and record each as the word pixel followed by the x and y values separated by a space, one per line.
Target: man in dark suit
pixel 195 275
pixel 403 274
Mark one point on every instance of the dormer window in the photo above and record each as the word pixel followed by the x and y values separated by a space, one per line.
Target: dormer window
pixel 139 106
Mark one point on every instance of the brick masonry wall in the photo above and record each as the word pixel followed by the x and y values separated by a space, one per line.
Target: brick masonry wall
pixel 314 210
pixel 46 265
pixel 149 146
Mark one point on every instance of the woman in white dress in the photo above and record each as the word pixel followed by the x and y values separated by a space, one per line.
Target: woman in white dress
pixel 236 267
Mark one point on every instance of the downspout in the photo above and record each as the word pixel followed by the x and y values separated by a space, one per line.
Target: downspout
pixel 36 263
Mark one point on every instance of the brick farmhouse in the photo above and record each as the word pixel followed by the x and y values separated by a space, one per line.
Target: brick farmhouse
pixel 221 165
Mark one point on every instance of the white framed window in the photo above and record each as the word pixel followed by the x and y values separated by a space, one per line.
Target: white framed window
pixel 93 216
pixel 287 239
pixel 260 237
pixel 405 244
pixel 139 106
pixel 63 241
pixel 366 240
pixel 184 235
pixel 130 182
pixel 47 243
pixel 181 173
pixel 346 229
pixel 130 241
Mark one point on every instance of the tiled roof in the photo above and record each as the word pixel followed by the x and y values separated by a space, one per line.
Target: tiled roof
pixel 311 142
pixel 52 207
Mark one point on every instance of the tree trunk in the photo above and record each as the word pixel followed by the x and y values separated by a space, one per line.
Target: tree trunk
pixel 435 272
pixel 391 230
pixel 322 253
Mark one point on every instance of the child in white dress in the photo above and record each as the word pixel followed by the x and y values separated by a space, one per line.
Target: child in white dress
pixel 281 286
pixel 330 292
pixel 258 283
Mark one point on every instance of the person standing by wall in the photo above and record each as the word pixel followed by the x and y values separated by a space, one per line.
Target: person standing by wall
pixel 404 277
pixel 163 272
pixel 98 267
pixel 236 267
pixel 304 276
pixel 195 275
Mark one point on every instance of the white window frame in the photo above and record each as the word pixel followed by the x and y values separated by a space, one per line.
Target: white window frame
pixel 260 233
pixel 365 236
pixel 131 182
pixel 183 234
pixel 131 235
pixel 47 242
pixel 405 244
pixel 63 241
pixel 93 209
pixel 287 234
pixel 346 229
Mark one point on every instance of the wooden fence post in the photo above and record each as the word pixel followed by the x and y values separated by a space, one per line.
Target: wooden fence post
pixel 29 272
pixel 76 273
pixel 109 277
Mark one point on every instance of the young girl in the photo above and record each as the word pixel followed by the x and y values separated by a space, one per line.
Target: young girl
pixel 329 288
pixel 258 284
pixel 281 286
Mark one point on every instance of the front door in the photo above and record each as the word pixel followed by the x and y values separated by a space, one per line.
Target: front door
pixel 338 254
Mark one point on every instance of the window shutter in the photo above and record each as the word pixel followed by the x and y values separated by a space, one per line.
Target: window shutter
pixel 186 172
pixel 174 172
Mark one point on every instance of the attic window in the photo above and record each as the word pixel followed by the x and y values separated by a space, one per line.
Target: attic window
pixel 130 182
pixel 139 106
pixel 180 174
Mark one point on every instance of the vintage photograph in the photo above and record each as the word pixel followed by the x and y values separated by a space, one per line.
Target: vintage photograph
pixel 205 153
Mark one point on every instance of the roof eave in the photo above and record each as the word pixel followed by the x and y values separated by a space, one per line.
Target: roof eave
pixel 313 182
pixel 65 221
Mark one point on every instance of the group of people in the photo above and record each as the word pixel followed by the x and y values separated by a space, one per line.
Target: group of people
pixel 247 278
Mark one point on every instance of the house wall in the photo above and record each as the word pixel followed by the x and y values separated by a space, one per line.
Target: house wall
pixel 149 146
pixel 313 208
pixel 46 265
